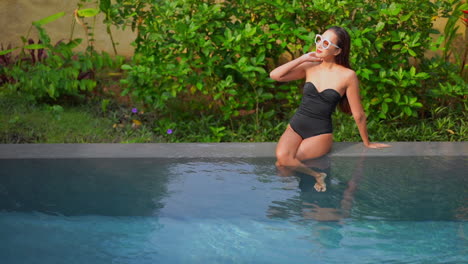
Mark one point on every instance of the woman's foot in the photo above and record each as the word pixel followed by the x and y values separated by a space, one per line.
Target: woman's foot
pixel 320 186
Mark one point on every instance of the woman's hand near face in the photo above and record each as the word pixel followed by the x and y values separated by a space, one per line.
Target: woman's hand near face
pixel 311 57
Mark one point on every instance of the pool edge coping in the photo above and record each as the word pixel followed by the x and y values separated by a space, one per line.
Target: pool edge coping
pixel 218 150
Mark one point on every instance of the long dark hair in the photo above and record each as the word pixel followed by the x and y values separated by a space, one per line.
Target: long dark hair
pixel 344 42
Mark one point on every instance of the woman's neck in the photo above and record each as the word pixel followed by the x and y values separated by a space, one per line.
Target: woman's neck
pixel 328 64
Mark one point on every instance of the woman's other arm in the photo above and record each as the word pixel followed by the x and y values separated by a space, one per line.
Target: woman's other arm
pixel 354 98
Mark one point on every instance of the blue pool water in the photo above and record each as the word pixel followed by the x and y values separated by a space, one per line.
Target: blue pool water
pixel 376 210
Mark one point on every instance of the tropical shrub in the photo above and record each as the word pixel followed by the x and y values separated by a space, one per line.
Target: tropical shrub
pixel 44 71
pixel 214 56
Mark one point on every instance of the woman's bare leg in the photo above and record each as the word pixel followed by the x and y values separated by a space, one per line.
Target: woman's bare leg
pixel 315 147
pixel 290 151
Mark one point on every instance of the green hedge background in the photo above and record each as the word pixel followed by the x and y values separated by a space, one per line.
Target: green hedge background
pixel 208 61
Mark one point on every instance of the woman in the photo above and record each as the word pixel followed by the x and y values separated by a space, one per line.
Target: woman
pixel 329 81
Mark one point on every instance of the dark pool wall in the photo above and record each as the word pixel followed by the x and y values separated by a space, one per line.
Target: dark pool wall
pixel 417 181
pixel 111 187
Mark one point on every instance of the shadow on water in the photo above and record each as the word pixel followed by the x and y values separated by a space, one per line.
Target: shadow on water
pixel 71 187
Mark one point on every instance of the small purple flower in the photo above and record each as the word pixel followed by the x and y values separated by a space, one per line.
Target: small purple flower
pixel 169 131
pixel 134 110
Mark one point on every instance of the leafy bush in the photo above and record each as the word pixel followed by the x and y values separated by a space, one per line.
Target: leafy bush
pixel 46 71
pixel 214 56
pixel 203 65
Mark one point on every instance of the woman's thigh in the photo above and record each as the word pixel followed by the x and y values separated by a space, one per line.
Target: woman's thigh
pixel 288 144
pixel 314 147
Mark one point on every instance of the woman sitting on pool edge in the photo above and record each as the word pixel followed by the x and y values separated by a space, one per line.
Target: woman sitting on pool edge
pixel 329 80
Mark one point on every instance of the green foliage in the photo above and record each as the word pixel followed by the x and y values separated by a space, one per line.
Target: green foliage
pixel 383 45
pixel 451 27
pixel 446 87
pixel 81 16
pixel 214 56
pixel 201 70
pixel 62 73
pixel 200 54
pixel 25 122
pixel 441 124
pixel 51 71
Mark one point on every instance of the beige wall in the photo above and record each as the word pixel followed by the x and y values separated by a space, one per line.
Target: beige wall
pixel 16 17
pixel 459 42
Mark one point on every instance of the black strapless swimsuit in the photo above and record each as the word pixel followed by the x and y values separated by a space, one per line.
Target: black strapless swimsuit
pixel 313 117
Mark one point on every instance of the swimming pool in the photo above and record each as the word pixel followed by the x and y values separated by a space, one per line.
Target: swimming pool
pixel 216 208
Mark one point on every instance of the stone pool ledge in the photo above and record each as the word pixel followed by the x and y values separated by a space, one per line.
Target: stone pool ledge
pixel 217 150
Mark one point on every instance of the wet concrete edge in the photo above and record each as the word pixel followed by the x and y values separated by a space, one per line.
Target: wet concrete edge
pixel 218 150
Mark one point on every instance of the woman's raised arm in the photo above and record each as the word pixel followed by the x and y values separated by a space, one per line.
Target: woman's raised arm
pixel 295 69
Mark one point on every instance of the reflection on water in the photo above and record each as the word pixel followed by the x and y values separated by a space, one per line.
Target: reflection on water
pixel 391 188
pixel 378 205
pixel 375 210
pixel 333 205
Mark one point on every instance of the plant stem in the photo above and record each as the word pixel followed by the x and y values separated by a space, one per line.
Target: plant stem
pixel 112 38
pixel 72 31
pixel 464 60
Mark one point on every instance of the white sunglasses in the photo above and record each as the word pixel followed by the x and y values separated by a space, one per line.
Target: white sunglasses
pixel 326 43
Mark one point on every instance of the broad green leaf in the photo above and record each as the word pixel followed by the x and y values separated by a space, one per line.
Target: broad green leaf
pixel 407 110
pixel 267 96
pixel 412 71
pixel 375 100
pixel 104 5
pixel 397 96
pixel 49 19
pixel 380 26
pixel 74 43
pixel 423 75
pixel 412 53
pixel 35 46
pixel 406 17
pixel 126 67
pixel 394 9
pixel 384 108
pixel 232 92
pixel 88 12
pixel 4 52
pixel 357 42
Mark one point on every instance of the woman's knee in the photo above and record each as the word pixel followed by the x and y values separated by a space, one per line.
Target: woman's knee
pixel 283 158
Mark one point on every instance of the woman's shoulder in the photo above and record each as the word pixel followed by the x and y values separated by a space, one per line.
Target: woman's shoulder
pixel 348 74
pixel 347 71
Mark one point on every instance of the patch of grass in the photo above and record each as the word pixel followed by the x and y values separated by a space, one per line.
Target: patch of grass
pixel 22 122
pixel 87 121
pixel 41 126
pixel 212 129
